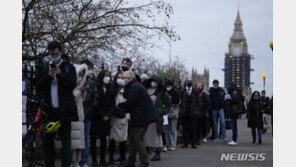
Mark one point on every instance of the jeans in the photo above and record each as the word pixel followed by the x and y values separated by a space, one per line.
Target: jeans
pixel 84 154
pixel 136 143
pixel 172 137
pixel 165 136
pixel 259 131
pixel 189 130
pixel 49 149
pixel 215 115
pixel 234 129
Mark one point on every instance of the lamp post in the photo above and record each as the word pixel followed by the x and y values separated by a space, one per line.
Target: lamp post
pixel 264 76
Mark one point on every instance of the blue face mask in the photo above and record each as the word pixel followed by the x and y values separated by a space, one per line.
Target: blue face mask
pixel 154 84
pixel 56 59
pixel 262 95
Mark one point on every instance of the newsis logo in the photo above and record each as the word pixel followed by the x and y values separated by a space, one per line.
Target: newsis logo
pixel 243 156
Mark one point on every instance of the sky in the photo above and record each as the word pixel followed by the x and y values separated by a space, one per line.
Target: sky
pixel 205 27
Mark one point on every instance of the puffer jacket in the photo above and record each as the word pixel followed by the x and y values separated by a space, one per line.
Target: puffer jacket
pixel 77 128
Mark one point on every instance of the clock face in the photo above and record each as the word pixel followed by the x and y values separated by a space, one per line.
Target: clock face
pixel 236 51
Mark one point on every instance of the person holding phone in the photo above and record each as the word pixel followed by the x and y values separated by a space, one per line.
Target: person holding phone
pixel 56 81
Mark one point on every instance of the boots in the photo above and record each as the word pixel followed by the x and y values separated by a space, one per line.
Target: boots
pixel 157 155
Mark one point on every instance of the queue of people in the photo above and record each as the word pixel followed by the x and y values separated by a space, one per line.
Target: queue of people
pixel 136 111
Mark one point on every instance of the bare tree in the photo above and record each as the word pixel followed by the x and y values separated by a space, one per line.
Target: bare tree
pixel 109 29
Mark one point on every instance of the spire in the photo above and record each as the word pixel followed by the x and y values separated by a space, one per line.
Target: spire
pixel 238 19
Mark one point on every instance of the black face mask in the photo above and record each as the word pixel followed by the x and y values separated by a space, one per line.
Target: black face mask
pixel 189 84
pixel 124 68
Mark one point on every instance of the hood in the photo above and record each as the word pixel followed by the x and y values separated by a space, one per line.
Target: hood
pixel 232 87
pixel 158 78
pixel 252 97
pixel 79 68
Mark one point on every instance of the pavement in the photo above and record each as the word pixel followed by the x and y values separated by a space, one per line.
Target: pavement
pixel 209 154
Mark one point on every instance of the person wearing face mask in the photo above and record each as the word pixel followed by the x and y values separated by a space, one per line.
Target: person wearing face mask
pixel 265 101
pixel 173 115
pixel 203 116
pixel 254 114
pixel 89 86
pixel 77 127
pixel 189 109
pixel 217 97
pixel 126 65
pixel 119 123
pixel 103 106
pixel 162 105
pixel 56 80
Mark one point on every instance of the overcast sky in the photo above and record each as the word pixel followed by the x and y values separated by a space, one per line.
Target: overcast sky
pixel 205 27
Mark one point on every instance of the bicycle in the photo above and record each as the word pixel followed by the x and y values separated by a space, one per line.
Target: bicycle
pixel 32 142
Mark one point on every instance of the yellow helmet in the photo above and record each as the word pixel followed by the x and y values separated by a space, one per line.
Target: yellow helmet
pixel 52 127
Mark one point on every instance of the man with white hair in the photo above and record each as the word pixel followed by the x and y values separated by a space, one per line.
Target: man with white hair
pixel 138 103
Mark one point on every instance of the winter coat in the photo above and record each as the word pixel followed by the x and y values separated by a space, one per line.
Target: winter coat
pixel 254 113
pixel 234 106
pixel 216 97
pixel 138 104
pixel 176 101
pixel 204 102
pixel 103 105
pixel 119 121
pixel 87 104
pixel 77 128
pixel 66 84
pixel 266 102
pixel 162 103
pixel 195 103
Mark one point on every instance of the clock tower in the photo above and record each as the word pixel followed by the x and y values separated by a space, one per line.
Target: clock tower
pixel 238 61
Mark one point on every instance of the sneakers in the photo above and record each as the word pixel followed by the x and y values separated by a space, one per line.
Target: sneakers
pixel 232 143
pixel 204 140
pixel 224 140
pixel 164 149
pixel 172 148
pixel 260 142
pixel 216 140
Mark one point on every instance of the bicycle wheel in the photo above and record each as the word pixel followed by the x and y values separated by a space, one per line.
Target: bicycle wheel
pixel 31 145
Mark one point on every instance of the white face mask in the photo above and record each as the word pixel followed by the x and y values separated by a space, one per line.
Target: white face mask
pixel 89 73
pixel 169 88
pixel 106 80
pixel 120 82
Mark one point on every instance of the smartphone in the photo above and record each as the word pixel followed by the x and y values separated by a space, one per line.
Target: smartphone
pixel 52 66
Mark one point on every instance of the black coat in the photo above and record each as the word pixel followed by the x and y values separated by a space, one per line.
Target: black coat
pixel 103 105
pixel 234 106
pixel 175 97
pixel 205 103
pixel 89 99
pixel 266 104
pixel 254 114
pixel 66 85
pixel 138 104
pixel 216 97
